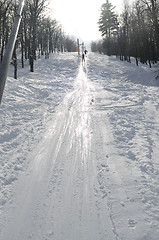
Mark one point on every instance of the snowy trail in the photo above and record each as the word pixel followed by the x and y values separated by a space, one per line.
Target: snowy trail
pixel 94 174
pixel 57 199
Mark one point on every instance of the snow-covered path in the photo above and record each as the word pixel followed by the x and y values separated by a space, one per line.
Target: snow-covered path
pixel 94 175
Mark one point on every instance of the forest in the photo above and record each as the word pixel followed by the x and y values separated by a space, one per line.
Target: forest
pixel 39 33
pixel 135 33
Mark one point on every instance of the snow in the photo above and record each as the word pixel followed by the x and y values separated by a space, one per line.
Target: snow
pixel 79 151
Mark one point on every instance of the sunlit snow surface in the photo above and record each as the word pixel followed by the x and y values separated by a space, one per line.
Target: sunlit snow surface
pixel 79 151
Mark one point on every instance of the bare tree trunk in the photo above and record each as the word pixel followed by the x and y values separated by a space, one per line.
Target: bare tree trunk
pixel 15 62
pixel 31 60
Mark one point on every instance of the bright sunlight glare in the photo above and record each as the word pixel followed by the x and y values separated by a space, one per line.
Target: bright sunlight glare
pixel 79 17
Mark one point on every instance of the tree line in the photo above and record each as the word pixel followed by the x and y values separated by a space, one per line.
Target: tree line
pixel 39 33
pixel 135 33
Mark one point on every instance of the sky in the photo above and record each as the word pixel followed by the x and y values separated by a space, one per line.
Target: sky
pixel 79 17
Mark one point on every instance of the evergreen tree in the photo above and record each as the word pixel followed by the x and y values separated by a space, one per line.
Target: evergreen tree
pixel 108 20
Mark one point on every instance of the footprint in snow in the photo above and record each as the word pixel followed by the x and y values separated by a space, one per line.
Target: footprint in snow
pixel 131 223
pixel 92 101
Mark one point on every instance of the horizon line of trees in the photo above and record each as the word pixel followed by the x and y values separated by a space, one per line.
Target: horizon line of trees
pixel 38 35
pixel 135 33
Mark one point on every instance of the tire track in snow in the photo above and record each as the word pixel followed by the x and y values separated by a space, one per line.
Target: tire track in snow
pixel 57 198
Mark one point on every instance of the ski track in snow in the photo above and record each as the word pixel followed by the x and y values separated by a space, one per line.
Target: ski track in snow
pixel 79 152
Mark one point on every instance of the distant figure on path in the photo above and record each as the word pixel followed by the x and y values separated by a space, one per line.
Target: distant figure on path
pixel 84 55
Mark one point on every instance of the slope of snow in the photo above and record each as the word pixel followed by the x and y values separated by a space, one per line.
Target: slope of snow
pixel 26 108
pixel 79 151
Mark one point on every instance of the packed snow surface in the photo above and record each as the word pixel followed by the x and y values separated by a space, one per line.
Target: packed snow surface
pixel 79 151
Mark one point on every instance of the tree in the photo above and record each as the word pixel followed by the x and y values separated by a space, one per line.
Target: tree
pixel 108 26
pixel 36 8
pixel 108 20
pixel 38 34
pixel 138 32
pixel 70 44
pixel 6 14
